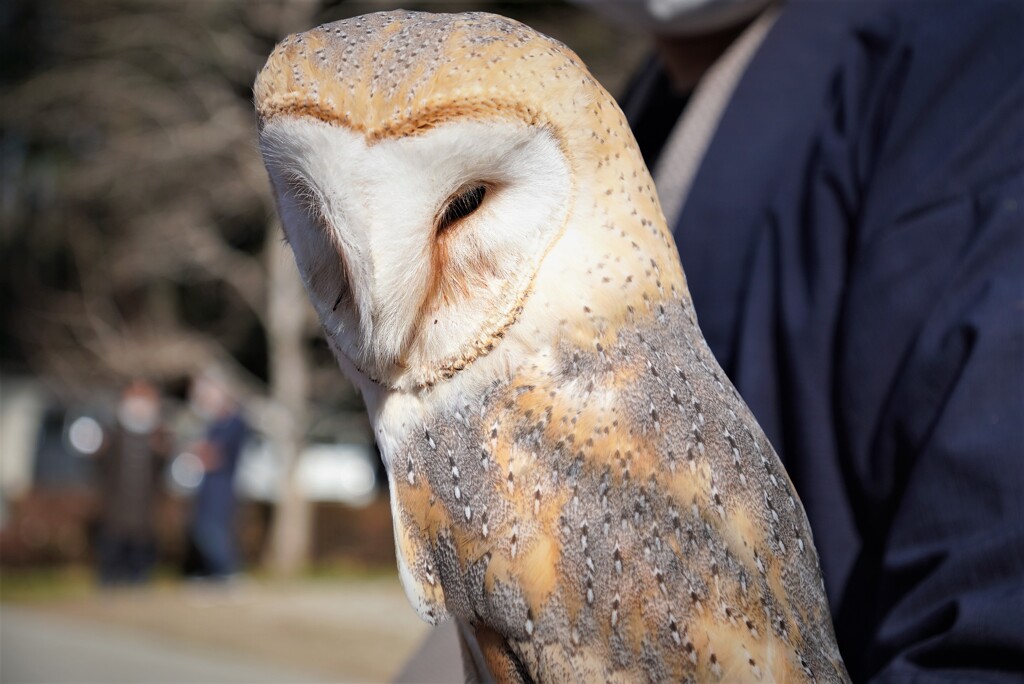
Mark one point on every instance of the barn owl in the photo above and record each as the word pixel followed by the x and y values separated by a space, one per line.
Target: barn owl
pixel 573 477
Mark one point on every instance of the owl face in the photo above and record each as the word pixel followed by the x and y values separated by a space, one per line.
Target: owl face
pixel 441 178
pixel 417 251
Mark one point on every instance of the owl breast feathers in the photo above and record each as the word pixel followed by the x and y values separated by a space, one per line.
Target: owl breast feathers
pixel 573 477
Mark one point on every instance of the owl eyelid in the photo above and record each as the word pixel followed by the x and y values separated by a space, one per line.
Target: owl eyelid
pixel 461 204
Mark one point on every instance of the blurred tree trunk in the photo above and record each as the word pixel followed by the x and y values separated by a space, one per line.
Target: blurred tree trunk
pixel 291 528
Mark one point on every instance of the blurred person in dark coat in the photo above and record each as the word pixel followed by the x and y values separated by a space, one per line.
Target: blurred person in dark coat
pixel 211 529
pixel 845 181
pixel 129 468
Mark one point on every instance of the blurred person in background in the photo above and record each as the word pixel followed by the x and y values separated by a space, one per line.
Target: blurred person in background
pixel 129 468
pixel 211 528
pixel 845 183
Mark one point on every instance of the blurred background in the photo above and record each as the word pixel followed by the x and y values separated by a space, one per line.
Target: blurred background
pixel 189 489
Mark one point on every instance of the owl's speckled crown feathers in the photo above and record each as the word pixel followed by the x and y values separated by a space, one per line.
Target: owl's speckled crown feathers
pixel 398 73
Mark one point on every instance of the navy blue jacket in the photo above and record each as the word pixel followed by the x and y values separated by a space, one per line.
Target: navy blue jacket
pixel 215 500
pixel 854 244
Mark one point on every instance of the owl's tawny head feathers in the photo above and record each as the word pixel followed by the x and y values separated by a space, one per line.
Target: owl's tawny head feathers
pixel 434 171
pixel 395 74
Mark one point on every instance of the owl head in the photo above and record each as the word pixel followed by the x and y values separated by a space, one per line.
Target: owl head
pixel 449 182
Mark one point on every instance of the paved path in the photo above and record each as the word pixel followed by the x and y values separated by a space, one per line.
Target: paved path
pixel 39 647
pixel 345 631
pixel 436 661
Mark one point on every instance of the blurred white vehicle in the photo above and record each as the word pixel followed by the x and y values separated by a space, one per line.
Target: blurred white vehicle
pixel 328 472
pixel 338 465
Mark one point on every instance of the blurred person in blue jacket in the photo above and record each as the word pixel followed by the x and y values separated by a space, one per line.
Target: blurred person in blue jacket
pixel 211 529
pixel 845 183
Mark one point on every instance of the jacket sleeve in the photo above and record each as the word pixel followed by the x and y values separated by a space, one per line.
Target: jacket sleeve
pixel 950 556
pixel 939 269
